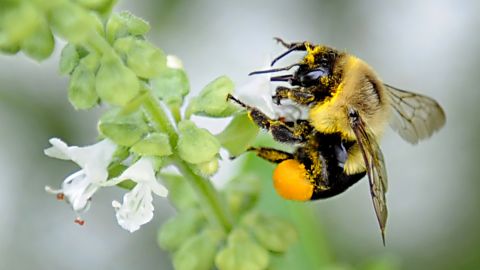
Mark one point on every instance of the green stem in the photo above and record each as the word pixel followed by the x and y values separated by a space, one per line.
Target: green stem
pixel 208 195
pixel 204 187
pixel 160 118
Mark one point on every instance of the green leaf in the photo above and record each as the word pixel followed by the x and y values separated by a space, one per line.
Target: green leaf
pixel 68 59
pixel 180 193
pixel 198 252
pixel 142 57
pixel 242 253
pixel 71 22
pixel 155 144
pixel 242 193
pixel 123 24
pixel 196 145
pixel 180 228
pixel 115 83
pixel 123 129
pixel 39 45
pixel 273 233
pixel 171 86
pixel 81 89
pixel 238 135
pixel 212 100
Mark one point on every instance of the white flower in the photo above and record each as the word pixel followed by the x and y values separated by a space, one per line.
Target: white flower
pixel 137 207
pixel 79 187
pixel 258 93
pixel 174 62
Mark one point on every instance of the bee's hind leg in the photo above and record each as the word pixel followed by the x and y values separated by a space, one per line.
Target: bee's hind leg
pixel 271 154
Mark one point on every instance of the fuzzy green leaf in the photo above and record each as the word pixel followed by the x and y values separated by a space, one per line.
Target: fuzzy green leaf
pixel 198 252
pixel 180 228
pixel 71 22
pixel 212 100
pixel 196 145
pixel 238 135
pixel 39 45
pixel 172 86
pixel 242 253
pixel 81 89
pixel 155 144
pixel 273 233
pixel 242 193
pixel 115 83
pixel 123 129
pixel 180 194
pixel 123 24
pixel 142 57
pixel 68 59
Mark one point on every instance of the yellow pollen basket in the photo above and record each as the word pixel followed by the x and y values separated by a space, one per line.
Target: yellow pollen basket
pixel 291 182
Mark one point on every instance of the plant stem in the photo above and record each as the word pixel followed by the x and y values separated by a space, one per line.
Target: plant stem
pixel 208 195
pixel 204 188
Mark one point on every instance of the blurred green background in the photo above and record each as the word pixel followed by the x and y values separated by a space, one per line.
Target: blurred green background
pixel 433 196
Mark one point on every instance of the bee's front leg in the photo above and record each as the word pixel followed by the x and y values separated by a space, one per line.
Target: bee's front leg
pixel 299 95
pixel 281 131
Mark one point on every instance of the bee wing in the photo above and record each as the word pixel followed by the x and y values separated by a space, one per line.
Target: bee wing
pixel 415 117
pixel 375 164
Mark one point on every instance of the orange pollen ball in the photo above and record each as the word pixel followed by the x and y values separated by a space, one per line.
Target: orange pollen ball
pixel 291 182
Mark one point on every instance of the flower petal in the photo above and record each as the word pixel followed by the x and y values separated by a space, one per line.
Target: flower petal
pixel 58 150
pixel 137 208
pixel 78 190
pixel 140 171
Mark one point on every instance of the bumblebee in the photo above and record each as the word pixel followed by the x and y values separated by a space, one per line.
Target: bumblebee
pixel 349 108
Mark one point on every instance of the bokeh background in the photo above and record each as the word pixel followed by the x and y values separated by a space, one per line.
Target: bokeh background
pixel 427 46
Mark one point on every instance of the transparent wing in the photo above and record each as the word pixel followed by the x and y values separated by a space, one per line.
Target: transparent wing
pixel 415 117
pixel 375 164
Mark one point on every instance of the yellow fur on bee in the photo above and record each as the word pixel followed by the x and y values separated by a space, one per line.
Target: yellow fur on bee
pixel 331 115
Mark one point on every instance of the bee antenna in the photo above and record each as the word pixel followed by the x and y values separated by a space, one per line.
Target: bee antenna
pixel 298 46
pixel 274 69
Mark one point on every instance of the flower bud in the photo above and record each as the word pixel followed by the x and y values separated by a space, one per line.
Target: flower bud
pixel 238 135
pixel 212 100
pixel 180 228
pixel 242 252
pixel 198 252
pixel 155 144
pixel 208 168
pixel 115 83
pixel 142 57
pixel 68 59
pixel 123 24
pixel 273 233
pixel 196 145
pixel 123 129
pixel 81 89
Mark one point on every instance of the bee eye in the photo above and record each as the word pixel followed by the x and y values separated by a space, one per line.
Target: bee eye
pixel 312 77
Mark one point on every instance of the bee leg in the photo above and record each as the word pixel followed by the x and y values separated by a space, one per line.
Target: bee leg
pixel 281 132
pixel 271 154
pixel 342 182
pixel 298 95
